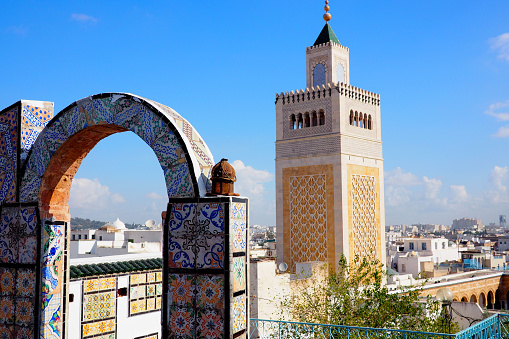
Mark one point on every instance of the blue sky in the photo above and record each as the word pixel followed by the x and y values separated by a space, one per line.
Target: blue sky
pixel 441 68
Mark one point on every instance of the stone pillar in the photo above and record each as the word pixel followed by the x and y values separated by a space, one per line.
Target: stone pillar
pixel 205 276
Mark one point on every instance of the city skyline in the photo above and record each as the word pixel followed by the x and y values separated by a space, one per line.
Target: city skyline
pixel 441 70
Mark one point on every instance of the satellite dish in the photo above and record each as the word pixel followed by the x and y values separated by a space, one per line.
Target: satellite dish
pixel 150 223
pixel 283 267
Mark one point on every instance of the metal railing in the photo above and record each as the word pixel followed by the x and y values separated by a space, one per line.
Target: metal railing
pixel 494 327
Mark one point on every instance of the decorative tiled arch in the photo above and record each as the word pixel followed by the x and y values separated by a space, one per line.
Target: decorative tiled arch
pixel 182 153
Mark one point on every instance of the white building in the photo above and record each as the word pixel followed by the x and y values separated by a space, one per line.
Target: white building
pixel 409 257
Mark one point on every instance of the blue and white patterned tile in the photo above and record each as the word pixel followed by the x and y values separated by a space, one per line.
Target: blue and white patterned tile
pixel 180 252
pixel 212 214
pixel 29 220
pixel 211 251
pixel 73 120
pixel 126 113
pixel 53 243
pixel 178 181
pixel 25 310
pixel 168 150
pixel 7 254
pixel 53 137
pixel 238 234
pixel 39 158
pixel 27 251
pixel 30 185
pixel 238 210
pixel 178 215
pixel 102 112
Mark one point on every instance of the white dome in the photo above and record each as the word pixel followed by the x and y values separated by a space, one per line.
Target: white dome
pixel 119 225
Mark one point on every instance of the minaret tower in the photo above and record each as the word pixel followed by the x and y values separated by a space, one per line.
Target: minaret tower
pixel 329 164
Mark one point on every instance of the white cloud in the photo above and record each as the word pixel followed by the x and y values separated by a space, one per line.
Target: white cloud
pixel 154 195
pixel 432 187
pixel 459 193
pixel 395 196
pixel 500 44
pixel 397 177
pixel 503 132
pixel 83 18
pixel 258 186
pixel 87 194
pixel 498 176
pixel 499 110
pixel 249 180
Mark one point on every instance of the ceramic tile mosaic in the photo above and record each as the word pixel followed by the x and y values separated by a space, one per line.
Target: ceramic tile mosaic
pixel 181 290
pixel 51 325
pixel 33 120
pixel 8 154
pixel 239 313
pixel 144 293
pixel 98 327
pixel 182 322
pixel 210 291
pixel 210 324
pixel 18 241
pixel 125 112
pixel 99 306
pixel 239 274
pixel 196 237
pixel 238 226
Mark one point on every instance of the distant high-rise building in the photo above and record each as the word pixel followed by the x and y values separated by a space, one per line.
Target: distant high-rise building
pixel 503 221
pixel 329 164
pixel 467 224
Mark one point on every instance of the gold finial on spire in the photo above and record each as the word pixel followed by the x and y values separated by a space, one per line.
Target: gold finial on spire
pixel 327 15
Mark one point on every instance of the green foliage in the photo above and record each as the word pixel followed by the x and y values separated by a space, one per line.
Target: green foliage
pixel 355 295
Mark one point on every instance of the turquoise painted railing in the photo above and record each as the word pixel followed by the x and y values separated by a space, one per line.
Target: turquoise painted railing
pixel 494 327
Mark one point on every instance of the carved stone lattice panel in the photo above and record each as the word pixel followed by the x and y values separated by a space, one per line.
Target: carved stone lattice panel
pixel 308 218
pixel 364 229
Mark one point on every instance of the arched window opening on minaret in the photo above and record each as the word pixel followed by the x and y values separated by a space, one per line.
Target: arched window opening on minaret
pixel 370 123
pixel 356 118
pixel 340 73
pixel 299 121
pixel 361 121
pixel 319 75
pixel 365 120
pixel 351 117
pixel 306 120
pixel 322 118
pixel 292 121
pixel 314 119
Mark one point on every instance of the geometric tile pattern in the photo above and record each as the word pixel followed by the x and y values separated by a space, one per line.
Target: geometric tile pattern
pixel 239 313
pixel 8 155
pixel 18 271
pixel 33 121
pixel 196 236
pixel 201 279
pixel 239 274
pixel 145 292
pixel 154 123
pixel 99 308
pixel 238 222
pixel 364 231
pixel 308 218
pixel 52 280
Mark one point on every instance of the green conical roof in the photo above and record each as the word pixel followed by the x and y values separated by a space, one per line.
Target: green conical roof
pixel 326 35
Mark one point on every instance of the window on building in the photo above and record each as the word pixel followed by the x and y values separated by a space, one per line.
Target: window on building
pixel 79 236
pixel 319 75
pixel 443 245
pixel 436 246
pixel 322 118
pixel 403 268
pixel 410 245
pixel 100 237
pixel 93 236
pixel 86 237
pixel 423 246
pixel 74 237
pixel 340 73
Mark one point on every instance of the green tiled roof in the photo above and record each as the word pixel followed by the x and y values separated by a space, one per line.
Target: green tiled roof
pixel 326 35
pixel 90 270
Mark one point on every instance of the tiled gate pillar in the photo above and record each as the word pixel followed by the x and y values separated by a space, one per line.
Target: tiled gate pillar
pixel 206 276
